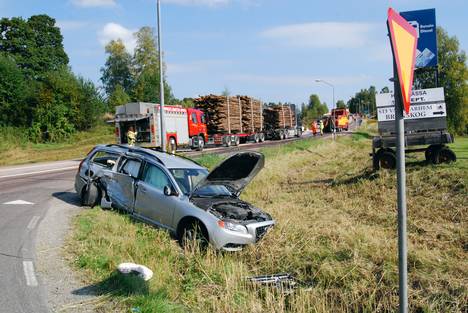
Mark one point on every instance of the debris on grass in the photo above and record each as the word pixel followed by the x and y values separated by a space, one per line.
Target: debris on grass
pixel 141 270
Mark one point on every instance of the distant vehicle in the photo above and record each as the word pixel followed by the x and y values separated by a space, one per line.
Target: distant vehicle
pixel 176 193
pixel 184 126
pixel 341 119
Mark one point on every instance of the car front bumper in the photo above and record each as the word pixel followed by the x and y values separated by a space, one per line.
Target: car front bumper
pixel 229 240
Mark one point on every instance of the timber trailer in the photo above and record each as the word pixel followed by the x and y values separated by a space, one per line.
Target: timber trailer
pixel 425 129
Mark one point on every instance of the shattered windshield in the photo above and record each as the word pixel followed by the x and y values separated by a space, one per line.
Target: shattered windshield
pixel 187 179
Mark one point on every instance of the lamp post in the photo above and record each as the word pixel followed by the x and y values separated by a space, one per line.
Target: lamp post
pixel 161 82
pixel 334 104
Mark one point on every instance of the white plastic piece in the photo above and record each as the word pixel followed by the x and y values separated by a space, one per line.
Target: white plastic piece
pixel 127 268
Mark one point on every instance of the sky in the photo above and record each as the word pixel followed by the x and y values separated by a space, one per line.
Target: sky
pixel 274 50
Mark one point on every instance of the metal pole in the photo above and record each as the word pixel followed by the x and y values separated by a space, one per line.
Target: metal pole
pixel 401 195
pixel 161 82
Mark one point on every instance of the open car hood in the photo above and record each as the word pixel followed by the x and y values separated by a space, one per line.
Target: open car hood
pixel 235 172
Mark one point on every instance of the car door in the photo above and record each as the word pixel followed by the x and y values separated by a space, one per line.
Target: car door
pixel 122 185
pixel 151 203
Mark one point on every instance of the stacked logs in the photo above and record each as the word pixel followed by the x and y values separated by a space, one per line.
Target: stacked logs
pixel 239 114
pixel 279 116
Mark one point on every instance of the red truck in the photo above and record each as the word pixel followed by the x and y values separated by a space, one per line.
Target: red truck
pixel 184 126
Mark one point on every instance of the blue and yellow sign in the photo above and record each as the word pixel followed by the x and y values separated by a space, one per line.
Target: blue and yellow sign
pixel 424 21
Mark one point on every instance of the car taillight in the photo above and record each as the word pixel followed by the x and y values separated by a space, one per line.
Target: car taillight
pixel 117 132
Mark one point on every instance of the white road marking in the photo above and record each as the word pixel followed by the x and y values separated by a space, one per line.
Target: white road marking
pixel 28 268
pixel 19 202
pixel 33 222
pixel 41 172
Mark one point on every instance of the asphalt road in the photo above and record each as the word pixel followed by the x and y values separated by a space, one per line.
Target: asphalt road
pixel 27 193
pixel 25 196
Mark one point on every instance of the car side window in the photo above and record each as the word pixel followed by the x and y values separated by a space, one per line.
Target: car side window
pixel 102 158
pixel 155 177
pixel 203 120
pixel 131 167
pixel 194 118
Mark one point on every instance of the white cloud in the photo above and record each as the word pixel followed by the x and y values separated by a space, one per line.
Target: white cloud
pixel 114 31
pixel 322 34
pixel 94 3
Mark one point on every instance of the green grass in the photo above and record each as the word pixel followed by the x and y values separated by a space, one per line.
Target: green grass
pixel 16 149
pixel 336 231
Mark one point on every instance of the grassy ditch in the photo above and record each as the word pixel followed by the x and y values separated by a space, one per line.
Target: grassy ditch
pixel 15 148
pixel 336 232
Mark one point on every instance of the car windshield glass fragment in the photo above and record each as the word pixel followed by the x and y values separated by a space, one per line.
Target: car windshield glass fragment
pixel 187 179
pixel 213 191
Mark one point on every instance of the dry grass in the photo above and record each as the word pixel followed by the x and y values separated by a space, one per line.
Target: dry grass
pixel 336 232
pixel 21 151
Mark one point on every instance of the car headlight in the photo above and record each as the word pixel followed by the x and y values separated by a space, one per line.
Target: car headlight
pixel 233 226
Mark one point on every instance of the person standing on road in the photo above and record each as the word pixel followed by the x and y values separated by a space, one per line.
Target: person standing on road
pixel 131 136
pixel 321 127
pixel 314 127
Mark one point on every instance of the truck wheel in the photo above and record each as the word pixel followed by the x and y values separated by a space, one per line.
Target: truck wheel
pixel 227 141
pixel 201 143
pixel 236 141
pixel 172 145
pixel 443 155
pixel 387 159
pixel 256 138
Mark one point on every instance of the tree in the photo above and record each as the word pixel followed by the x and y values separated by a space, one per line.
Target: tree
pixel 146 69
pixel 36 44
pixel 118 67
pixel 340 104
pixel 14 91
pixel 117 97
pixel 314 110
pixel 453 76
pixel 363 101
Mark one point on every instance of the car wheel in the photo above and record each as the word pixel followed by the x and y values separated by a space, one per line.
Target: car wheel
pixel 194 234
pixel 90 195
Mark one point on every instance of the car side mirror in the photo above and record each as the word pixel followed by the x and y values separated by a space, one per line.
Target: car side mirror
pixel 168 191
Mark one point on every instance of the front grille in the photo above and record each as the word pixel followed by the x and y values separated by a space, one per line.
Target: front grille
pixel 261 231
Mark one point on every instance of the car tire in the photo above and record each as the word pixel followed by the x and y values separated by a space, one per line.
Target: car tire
pixel 91 195
pixel 194 232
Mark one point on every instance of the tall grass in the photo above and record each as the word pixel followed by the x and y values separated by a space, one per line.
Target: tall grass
pixel 336 232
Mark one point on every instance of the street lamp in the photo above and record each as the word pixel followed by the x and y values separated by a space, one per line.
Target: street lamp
pixel 334 104
pixel 161 82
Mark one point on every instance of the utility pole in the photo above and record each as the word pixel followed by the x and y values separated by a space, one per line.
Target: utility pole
pixel 161 82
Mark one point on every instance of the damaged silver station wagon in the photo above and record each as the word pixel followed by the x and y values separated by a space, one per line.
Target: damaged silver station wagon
pixel 176 193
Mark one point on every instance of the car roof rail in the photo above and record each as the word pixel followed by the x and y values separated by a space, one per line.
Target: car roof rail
pixel 177 155
pixel 117 145
pixel 140 151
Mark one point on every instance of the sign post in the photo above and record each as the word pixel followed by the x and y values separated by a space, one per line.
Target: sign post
pixel 403 40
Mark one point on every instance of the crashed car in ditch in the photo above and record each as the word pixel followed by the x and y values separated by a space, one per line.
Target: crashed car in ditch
pixel 178 194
